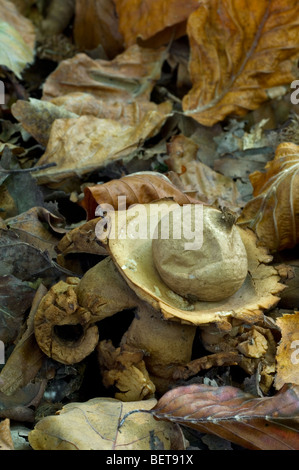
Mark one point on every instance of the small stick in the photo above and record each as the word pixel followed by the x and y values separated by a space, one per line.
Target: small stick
pixel 27 170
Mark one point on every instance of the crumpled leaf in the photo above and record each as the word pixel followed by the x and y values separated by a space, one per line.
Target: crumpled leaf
pixel 94 426
pixel 239 50
pixel 273 211
pixel 124 369
pixel 135 188
pixel 270 423
pixel 38 116
pixel 95 24
pixel 17 38
pixel 15 298
pixel 126 112
pixel 26 358
pixel 199 179
pixel 82 145
pixel 287 357
pixel 130 75
pixel 20 405
pixel 6 442
pixel 143 19
pixel 23 260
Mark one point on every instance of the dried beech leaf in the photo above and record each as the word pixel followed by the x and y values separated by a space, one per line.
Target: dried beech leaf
pixel 239 50
pixel 143 19
pixel 287 370
pixel 199 179
pixel 135 188
pixel 15 298
pixel 94 426
pixel 273 212
pixel 96 23
pixel 270 423
pixel 81 145
pixel 125 112
pixel 131 74
pixel 6 442
pixel 17 38
pixel 37 117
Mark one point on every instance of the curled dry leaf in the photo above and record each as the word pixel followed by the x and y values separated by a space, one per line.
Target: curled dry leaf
pixel 239 50
pixel 199 179
pixel 287 357
pixel 94 426
pixel 81 145
pixel 26 358
pixel 143 19
pixel 96 23
pixel 37 117
pixel 138 188
pixel 273 211
pixel 6 442
pixel 124 369
pixel 17 37
pixel 269 423
pixel 130 75
pixel 125 112
pixel 16 297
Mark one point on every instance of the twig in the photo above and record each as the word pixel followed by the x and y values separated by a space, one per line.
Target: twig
pixel 27 170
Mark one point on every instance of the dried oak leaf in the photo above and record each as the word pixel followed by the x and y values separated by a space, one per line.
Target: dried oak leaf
pixel 239 50
pixel 287 357
pixel 94 426
pixel 270 423
pixel 138 188
pixel 82 145
pixel 95 24
pixel 144 19
pixel 274 209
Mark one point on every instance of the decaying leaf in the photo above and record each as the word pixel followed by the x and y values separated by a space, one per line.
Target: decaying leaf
pixel 6 442
pixel 26 358
pixel 17 38
pixel 139 188
pixel 130 75
pixel 143 19
pixel 94 426
pixel 124 369
pixel 20 405
pixel 288 351
pixel 96 23
pixel 125 112
pixel 81 239
pixel 82 145
pixel 273 211
pixel 38 116
pixel 269 423
pixel 16 297
pixel 239 51
pixel 199 179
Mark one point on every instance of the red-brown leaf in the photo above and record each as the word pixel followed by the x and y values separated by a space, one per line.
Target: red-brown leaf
pixel 269 423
